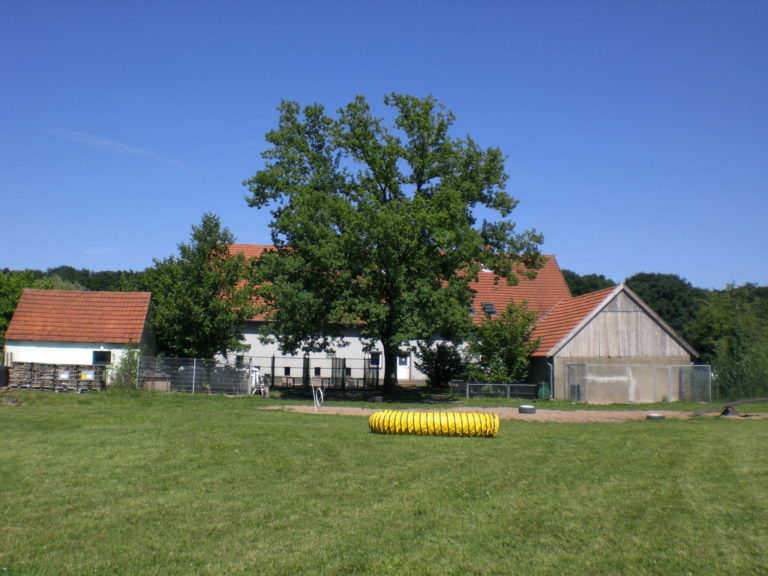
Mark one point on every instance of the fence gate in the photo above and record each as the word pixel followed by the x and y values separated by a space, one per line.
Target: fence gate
pixel 696 383
pixel 371 372
pixel 338 372
pixel 574 381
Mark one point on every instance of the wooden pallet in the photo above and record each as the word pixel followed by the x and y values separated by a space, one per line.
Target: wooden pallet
pixel 61 378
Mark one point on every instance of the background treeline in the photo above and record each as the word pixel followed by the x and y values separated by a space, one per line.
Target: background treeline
pixel 728 327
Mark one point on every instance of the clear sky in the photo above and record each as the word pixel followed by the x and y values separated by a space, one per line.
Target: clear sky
pixel 636 132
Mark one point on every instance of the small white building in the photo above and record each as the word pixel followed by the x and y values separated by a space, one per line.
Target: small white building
pixel 76 334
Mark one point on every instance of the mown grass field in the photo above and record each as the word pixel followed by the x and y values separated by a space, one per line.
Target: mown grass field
pixel 170 484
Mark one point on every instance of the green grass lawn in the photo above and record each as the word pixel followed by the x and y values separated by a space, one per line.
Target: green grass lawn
pixel 172 484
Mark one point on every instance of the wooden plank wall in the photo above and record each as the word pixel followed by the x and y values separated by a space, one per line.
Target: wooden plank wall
pixel 623 330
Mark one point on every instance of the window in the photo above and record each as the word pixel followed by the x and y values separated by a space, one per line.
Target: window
pixel 102 357
pixel 403 360
pixel 317 371
pixel 489 308
pixel 286 371
pixel 375 359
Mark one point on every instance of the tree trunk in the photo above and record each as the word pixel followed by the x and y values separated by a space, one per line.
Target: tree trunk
pixel 390 367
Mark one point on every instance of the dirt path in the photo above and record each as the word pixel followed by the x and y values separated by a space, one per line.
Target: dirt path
pixel 507 413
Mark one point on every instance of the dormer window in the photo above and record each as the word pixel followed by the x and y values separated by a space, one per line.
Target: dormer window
pixel 489 308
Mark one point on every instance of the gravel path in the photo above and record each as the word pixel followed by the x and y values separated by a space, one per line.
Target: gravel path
pixel 541 415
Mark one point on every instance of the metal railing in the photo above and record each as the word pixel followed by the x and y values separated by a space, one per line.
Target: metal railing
pixel 471 390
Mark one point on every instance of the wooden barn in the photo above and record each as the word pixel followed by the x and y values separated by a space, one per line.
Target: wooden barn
pixel 64 339
pixel 609 346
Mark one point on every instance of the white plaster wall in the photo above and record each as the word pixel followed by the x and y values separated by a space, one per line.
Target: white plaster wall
pixel 261 354
pixel 71 353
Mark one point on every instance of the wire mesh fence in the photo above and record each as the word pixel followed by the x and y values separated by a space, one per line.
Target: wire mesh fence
pixel 642 383
pixel 192 375
pixel 240 375
pixel 471 390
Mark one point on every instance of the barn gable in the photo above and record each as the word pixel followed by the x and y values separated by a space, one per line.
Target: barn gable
pixel 610 323
pixel 609 346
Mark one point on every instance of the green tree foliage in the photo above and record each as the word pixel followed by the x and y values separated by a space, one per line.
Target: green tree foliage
pixel 671 297
pixel 744 375
pixel 441 362
pixel 105 281
pixel 372 220
pixel 731 333
pixel 584 284
pixel 202 298
pixel 730 320
pixel 126 371
pixel 56 282
pixel 502 344
pixel 12 284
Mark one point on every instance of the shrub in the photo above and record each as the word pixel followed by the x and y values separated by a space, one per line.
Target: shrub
pixel 441 362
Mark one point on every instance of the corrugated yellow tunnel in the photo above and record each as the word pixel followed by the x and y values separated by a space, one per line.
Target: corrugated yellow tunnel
pixel 434 423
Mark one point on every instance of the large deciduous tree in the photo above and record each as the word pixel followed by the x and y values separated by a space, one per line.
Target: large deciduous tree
pixel 375 224
pixel 202 298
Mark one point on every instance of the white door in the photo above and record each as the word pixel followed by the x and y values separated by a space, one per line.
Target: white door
pixel 404 367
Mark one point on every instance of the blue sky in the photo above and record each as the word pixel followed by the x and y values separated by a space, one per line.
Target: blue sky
pixel 636 133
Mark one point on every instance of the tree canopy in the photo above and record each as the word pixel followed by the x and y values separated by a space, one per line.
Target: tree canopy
pixel 202 298
pixel 375 224
pixel 671 297
pixel 584 284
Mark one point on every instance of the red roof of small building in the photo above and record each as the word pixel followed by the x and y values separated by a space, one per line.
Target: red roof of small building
pixel 79 316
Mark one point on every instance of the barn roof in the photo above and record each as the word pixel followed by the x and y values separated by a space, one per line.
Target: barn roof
pixel 561 324
pixel 79 316
pixel 563 319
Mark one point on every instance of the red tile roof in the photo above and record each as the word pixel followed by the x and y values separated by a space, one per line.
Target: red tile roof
pixel 77 316
pixel 249 250
pixel 565 317
pixel 542 293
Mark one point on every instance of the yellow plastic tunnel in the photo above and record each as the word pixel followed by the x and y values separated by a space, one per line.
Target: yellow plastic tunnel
pixel 434 423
